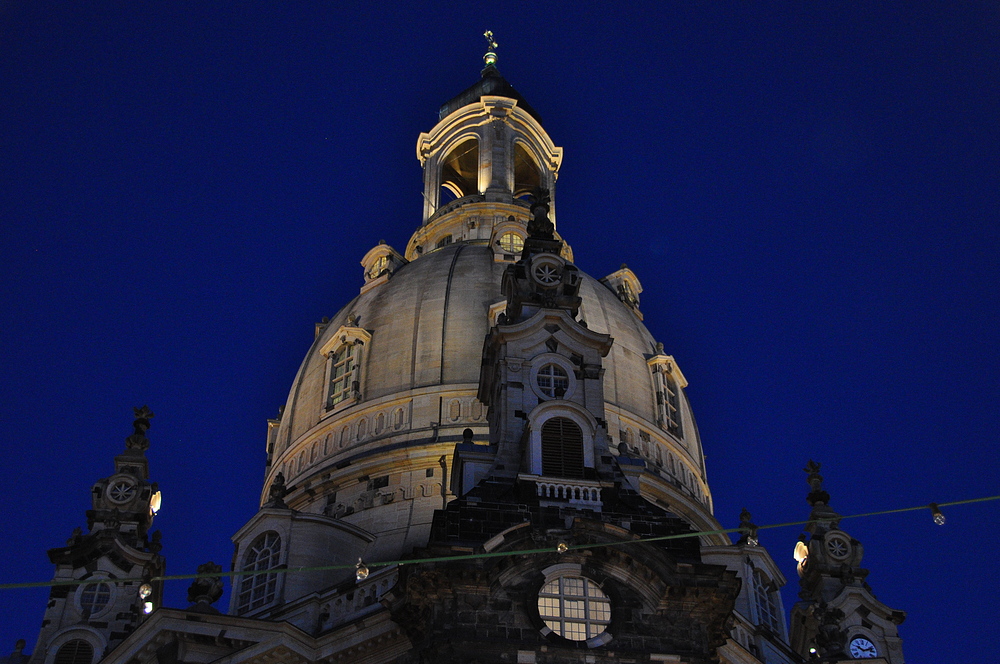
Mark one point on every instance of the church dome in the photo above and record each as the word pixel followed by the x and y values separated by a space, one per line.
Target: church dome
pixel 391 383
pixel 414 345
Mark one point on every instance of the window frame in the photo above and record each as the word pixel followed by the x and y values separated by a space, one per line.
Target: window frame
pixel 89 588
pixel 545 359
pixel 765 603
pixel 261 590
pixel 571 411
pixel 511 247
pixel 345 348
pixel 556 574
pixel 668 386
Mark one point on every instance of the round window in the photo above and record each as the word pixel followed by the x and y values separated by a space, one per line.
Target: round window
pixel 511 243
pixel 552 381
pixel 94 597
pixel 547 274
pixel 574 607
pixel 121 491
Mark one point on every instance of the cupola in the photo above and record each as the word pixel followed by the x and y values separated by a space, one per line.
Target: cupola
pixel 481 162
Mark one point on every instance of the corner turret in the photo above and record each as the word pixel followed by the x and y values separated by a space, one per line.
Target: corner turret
pixel 838 618
pixel 92 606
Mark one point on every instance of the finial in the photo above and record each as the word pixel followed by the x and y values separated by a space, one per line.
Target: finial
pixel 748 529
pixel 540 226
pixel 491 57
pixel 138 440
pixel 817 495
pixel 277 492
pixel 206 589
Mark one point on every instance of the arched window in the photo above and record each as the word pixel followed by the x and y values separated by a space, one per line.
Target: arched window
pixel 443 242
pixel 256 590
pixel 460 171
pixel 76 651
pixel 767 606
pixel 562 448
pixel 527 175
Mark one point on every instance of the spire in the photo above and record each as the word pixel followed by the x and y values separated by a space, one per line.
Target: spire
pixel 837 618
pixel 823 517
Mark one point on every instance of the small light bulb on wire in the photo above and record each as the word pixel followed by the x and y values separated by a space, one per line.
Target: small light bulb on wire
pixel 361 570
pixel 147 608
pixel 562 547
pixel 936 514
pixel 145 590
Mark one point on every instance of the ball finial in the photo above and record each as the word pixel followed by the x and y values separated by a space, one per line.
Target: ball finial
pixel 491 57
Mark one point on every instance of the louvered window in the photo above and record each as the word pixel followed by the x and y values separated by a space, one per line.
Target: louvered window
pixel 562 448
pixel 76 651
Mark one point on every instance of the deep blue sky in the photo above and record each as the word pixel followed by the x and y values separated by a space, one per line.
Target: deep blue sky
pixel 809 193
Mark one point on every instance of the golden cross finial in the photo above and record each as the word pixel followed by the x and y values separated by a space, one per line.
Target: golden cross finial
pixel 491 57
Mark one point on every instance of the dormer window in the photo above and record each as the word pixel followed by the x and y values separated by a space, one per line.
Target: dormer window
pixel 443 242
pixel 671 406
pixel 341 375
pixel 343 353
pixel 667 382
pixel 380 265
pixel 624 284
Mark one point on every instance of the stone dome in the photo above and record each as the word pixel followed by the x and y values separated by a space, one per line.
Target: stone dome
pixel 391 383
pixel 416 379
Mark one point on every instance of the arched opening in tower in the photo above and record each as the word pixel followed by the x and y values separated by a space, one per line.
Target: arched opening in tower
pixel 527 173
pixel 460 171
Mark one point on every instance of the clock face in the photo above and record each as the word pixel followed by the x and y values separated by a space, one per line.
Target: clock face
pixel 121 491
pixel 862 648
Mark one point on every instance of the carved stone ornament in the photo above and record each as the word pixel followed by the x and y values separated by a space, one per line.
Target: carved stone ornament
pixel 277 492
pixel 138 440
pixel 208 589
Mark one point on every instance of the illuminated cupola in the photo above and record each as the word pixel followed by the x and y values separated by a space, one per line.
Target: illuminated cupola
pixel 481 162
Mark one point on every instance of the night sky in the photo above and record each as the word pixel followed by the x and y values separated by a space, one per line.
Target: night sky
pixel 809 193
